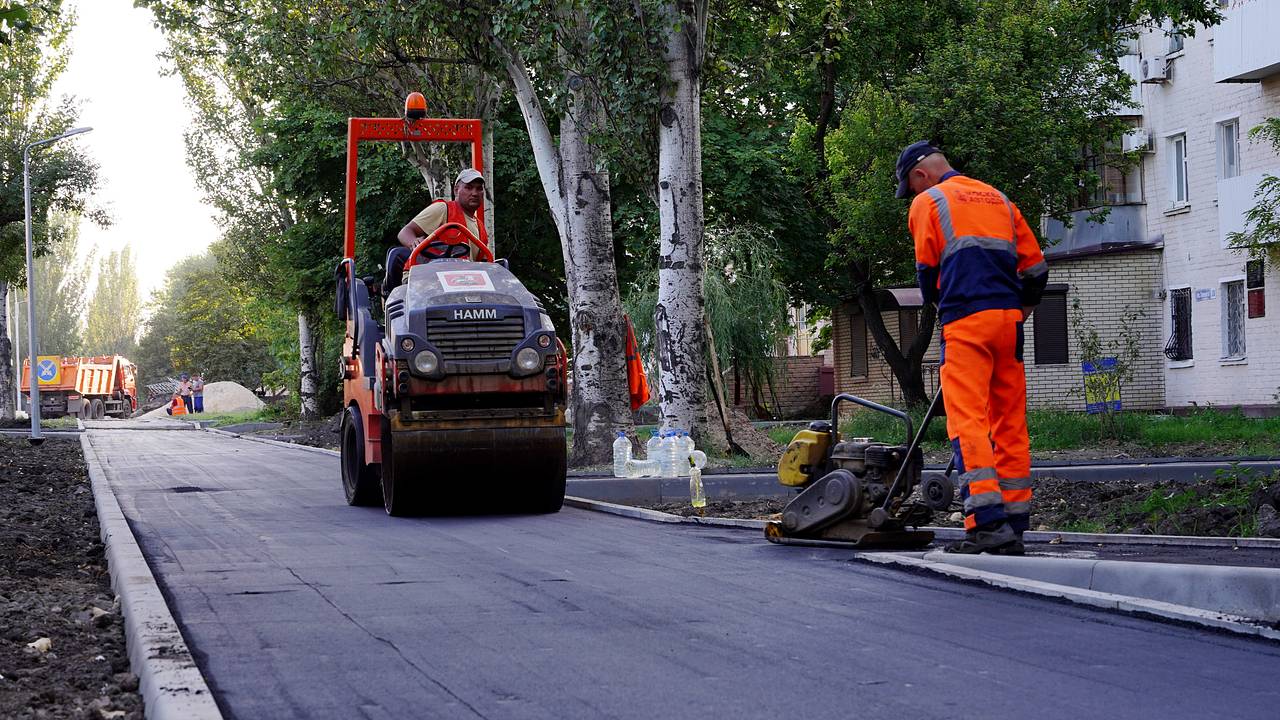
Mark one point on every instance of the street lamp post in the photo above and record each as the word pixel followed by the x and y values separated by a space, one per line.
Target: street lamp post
pixel 34 392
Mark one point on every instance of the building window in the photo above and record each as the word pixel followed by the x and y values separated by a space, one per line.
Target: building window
pixel 908 328
pixel 1051 327
pixel 1255 286
pixel 1229 149
pixel 1178 190
pixel 1119 180
pixel 1176 42
pixel 1233 314
pixel 1179 345
pixel 857 344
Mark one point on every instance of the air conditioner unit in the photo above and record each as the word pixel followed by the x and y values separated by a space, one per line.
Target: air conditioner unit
pixel 1155 69
pixel 1138 139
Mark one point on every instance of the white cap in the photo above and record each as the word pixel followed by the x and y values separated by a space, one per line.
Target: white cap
pixel 469 175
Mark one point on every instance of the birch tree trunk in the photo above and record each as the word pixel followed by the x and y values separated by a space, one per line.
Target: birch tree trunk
pixel 308 404
pixel 679 315
pixel 577 187
pixel 7 380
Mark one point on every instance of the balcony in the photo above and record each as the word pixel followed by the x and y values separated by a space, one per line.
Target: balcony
pixel 1123 227
pixel 1235 198
pixel 1244 45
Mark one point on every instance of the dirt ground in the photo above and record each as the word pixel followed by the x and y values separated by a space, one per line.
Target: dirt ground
pixel 1228 506
pixel 54 585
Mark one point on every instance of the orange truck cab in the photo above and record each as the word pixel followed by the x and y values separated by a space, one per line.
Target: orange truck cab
pixel 86 387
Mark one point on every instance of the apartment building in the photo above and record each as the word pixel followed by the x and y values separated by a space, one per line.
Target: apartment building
pixel 1201 96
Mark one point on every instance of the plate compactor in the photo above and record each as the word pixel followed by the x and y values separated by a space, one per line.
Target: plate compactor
pixel 857 492
pixel 457 398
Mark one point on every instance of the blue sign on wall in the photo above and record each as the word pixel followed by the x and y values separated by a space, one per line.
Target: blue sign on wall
pixel 1101 390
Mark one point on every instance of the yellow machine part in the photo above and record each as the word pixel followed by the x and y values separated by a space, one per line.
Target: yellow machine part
pixel 807 450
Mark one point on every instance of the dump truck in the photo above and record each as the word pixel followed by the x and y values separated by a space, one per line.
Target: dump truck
pixel 90 388
pixel 455 388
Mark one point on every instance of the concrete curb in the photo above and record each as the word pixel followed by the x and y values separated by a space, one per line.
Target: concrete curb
pixel 1084 596
pixel 1242 586
pixel 278 443
pixel 169 680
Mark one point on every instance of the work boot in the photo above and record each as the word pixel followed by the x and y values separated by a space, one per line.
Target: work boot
pixel 997 540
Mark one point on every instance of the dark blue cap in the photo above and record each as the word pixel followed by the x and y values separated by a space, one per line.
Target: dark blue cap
pixel 914 153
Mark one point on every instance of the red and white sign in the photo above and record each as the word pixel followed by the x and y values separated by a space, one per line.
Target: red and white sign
pixel 462 280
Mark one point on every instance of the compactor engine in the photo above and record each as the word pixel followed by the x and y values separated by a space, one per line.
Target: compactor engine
pixel 858 491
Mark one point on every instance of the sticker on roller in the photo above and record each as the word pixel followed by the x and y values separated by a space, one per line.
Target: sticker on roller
pixel 462 280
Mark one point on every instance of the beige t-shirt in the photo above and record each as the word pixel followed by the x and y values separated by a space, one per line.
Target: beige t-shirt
pixel 436 214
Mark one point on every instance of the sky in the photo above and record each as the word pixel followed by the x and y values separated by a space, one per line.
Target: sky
pixel 138 118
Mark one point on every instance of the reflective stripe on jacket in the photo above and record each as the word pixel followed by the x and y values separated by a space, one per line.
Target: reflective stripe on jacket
pixel 974 250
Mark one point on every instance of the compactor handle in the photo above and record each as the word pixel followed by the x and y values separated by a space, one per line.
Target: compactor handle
pixel 835 411
pixel 483 252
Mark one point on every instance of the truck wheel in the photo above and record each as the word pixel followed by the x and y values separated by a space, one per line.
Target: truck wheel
pixel 97 409
pixel 360 482
pixel 400 498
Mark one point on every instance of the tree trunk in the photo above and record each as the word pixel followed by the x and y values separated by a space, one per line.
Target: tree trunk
pixel 681 310
pixel 308 404
pixel 7 381
pixel 577 187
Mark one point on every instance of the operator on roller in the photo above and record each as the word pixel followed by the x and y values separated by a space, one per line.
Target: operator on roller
pixel 468 194
pixel 978 260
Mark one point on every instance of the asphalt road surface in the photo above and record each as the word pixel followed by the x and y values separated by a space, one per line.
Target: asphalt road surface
pixel 298 606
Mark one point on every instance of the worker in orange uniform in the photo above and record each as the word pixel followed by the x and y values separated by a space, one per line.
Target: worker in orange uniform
pixel 979 262
pixel 468 194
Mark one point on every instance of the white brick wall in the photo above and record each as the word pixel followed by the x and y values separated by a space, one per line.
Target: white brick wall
pixel 1191 102
pixel 1105 285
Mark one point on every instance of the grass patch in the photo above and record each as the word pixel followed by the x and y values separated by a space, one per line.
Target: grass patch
pixel 265 414
pixel 1084 526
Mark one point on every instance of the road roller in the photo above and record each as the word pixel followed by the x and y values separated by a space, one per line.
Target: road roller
pixel 859 492
pixel 454 390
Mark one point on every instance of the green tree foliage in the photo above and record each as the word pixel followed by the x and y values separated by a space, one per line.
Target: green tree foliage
pixel 200 322
pixel 113 318
pixel 1261 236
pixel 62 175
pixel 62 283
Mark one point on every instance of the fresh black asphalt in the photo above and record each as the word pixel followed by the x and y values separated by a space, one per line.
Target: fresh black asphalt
pixel 297 606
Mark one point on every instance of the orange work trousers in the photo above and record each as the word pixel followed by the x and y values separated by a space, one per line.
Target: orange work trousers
pixel 984 387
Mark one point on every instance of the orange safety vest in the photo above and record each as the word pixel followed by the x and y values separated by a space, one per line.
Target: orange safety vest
pixel 177 406
pixel 637 383
pixel 455 236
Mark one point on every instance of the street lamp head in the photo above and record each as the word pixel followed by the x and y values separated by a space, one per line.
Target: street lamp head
pixel 76 131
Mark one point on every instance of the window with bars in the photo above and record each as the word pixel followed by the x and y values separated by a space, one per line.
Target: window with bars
pixel 1179 345
pixel 858 366
pixel 1233 314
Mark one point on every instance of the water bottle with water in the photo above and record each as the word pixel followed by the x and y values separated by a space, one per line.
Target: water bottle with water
pixel 669 455
pixel 621 454
pixel 651 448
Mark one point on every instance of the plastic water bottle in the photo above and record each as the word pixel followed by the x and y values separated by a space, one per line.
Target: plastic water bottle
pixel 621 454
pixel 696 497
pixel 641 468
pixel 651 448
pixel 698 459
pixel 668 455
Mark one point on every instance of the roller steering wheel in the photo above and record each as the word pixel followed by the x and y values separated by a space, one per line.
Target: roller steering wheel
pixel 458 249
